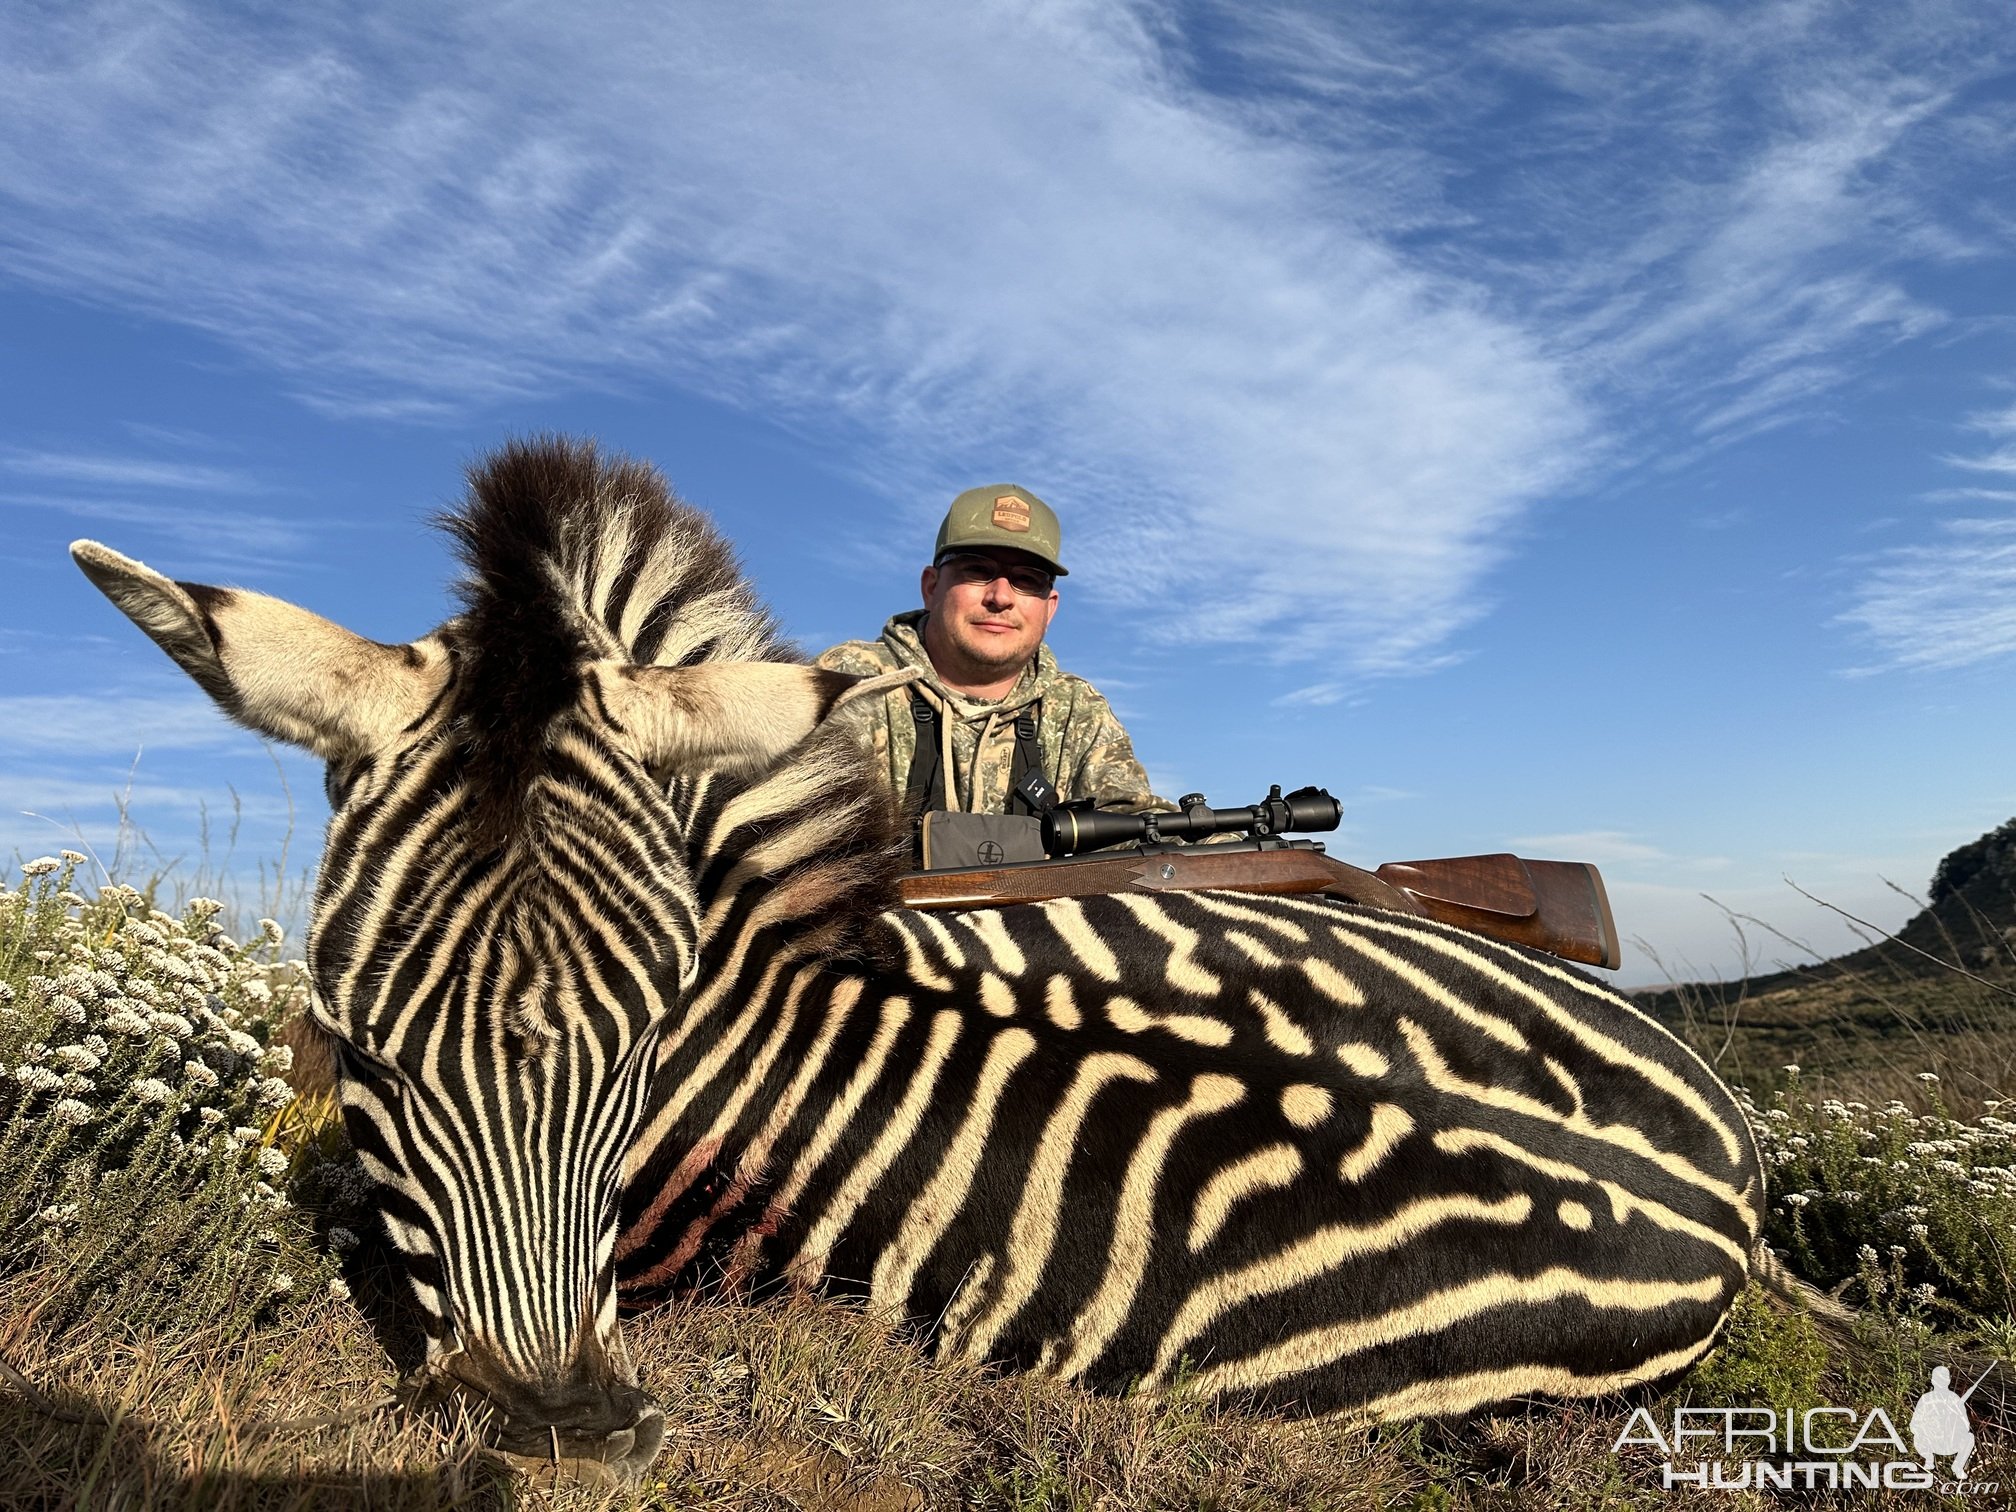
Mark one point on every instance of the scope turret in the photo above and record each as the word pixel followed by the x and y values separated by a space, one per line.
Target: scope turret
pixel 1071 829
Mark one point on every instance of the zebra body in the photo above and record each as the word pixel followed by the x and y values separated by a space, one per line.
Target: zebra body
pixel 606 931
pixel 1291 1149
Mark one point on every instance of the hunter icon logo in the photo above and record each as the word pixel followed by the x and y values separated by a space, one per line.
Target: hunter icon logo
pixel 1011 513
pixel 991 853
pixel 1939 1425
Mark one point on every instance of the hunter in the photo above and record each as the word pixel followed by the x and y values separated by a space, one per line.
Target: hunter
pixel 994 726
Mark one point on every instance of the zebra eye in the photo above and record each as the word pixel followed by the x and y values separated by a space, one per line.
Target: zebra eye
pixel 367 1068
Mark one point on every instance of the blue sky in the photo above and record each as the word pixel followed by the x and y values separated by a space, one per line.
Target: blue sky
pixel 1583 430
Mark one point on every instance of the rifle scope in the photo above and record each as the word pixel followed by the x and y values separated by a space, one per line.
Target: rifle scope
pixel 1069 829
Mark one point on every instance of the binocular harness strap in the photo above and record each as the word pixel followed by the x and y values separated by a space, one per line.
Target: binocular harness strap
pixel 1030 790
pixel 926 791
pixel 1028 787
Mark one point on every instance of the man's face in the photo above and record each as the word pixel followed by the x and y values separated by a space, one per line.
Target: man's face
pixel 989 608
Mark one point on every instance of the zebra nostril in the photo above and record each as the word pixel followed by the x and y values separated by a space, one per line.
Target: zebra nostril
pixel 631 1451
pixel 611 1461
pixel 647 1438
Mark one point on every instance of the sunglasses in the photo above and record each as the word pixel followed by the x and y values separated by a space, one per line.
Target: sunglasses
pixel 967 570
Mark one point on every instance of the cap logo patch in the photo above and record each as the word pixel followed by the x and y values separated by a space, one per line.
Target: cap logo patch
pixel 1011 513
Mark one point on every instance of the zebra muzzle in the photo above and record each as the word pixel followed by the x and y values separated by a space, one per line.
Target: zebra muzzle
pixel 577 1431
pixel 613 1461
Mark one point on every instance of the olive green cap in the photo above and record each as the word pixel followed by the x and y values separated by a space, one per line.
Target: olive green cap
pixel 1001 514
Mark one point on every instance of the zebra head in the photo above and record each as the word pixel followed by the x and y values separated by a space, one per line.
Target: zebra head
pixel 507 918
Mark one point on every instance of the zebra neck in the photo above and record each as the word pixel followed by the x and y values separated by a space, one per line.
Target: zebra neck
pixel 743 1088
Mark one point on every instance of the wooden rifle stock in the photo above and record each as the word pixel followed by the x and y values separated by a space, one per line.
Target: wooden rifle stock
pixel 1556 906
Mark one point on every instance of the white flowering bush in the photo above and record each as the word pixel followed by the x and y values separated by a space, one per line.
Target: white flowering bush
pixel 140 1091
pixel 1916 1212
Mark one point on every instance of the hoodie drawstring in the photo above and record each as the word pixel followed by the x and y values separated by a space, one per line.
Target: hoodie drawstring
pixel 950 773
pixel 979 745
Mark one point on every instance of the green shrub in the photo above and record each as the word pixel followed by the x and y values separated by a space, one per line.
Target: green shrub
pixel 1767 1356
pixel 1915 1213
pixel 140 1089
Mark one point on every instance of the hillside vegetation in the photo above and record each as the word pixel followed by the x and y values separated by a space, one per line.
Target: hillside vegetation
pixel 188 1272
pixel 1939 996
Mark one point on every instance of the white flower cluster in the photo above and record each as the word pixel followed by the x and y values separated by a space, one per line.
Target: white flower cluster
pixel 38 1079
pixel 1933 1191
pixel 345 1186
pixel 130 1019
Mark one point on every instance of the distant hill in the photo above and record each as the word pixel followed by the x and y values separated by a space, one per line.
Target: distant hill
pixel 1867 1022
pixel 1973 900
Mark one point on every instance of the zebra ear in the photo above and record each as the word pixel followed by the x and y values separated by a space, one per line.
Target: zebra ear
pixel 271 666
pixel 728 716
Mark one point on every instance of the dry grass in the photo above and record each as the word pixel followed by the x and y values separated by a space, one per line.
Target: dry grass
pixel 791 1405
pixel 175 1425
pixel 797 1404
pixel 1938 997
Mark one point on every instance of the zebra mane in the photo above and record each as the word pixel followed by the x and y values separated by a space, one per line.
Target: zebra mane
pixel 570 554
pixel 568 550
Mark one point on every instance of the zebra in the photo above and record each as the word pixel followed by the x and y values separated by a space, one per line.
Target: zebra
pixel 607 931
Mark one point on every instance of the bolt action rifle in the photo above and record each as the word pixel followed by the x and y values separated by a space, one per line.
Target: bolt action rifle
pixel 1556 906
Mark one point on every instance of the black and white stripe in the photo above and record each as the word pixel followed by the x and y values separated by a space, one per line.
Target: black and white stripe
pixel 1291 1149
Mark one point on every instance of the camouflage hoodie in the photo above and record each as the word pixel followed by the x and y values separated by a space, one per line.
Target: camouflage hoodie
pixel 1085 751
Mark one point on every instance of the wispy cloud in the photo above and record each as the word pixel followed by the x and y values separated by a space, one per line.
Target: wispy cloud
pixel 1998 422
pixel 1604 847
pixel 1969 495
pixel 125 472
pixel 953 236
pixel 26 640
pixel 1950 603
pixel 217 537
pixel 175 435
pixel 2001 459
pixel 1313 695
pixel 1705 208
pixel 82 726
pixel 1294 294
pixel 199 506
